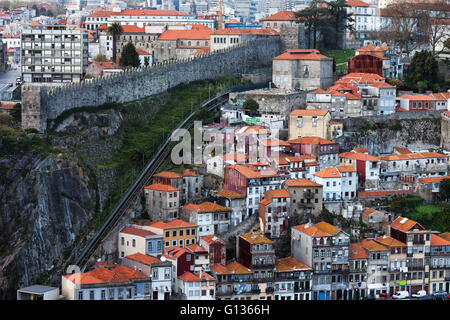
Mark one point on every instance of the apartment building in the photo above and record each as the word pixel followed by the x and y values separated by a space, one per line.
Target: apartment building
pixel 54 55
pixel 236 203
pixel 197 285
pixel 216 248
pixel 162 202
pixel 357 277
pixel 367 168
pixel 233 281
pixel 134 239
pixel 257 253
pixel 292 280
pixel 210 217
pixel 189 182
pixel 339 183
pixel 273 212
pixel 326 152
pixel 302 69
pixel 306 196
pixel 308 123
pixel 325 248
pixel 377 267
pixel 439 264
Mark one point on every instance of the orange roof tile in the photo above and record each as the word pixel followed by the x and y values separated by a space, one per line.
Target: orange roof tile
pixel 422 155
pixel 360 150
pixel 321 229
pixel 167 174
pixel 278 193
pixel 359 156
pixel 218 268
pixel 237 31
pixel 356 251
pixel 320 91
pixel 142 52
pixel 368 211
pixel 438 241
pixel 230 194
pixel 101 275
pixel 143 258
pixel 372 245
pixel 253 174
pixel 282 16
pixel 190 277
pixel 211 239
pixel 206 207
pixel 177 223
pixel 403 150
pixel 383 193
pixel 236 268
pixel 405 224
pixel 301 183
pixel 416 97
pixel 272 142
pixel 256 238
pixel 308 112
pixel 334 122
pixel 290 264
pixel 149 13
pixel 301 54
pixel 132 29
pixel 390 242
pixel 190 34
pixel 328 173
pixel 137 231
pixel 445 235
pixel 189 173
pixel 161 187
pixel 196 248
pixel 176 252
pixel 311 140
pixel 433 179
pixel 101 13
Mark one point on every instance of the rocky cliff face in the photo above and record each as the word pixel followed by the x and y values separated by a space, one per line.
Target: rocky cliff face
pixel 44 205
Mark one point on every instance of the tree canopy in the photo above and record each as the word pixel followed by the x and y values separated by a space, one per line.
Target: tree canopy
pixel 444 190
pixel 129 57
pixel 100 58
pixel 250 107
pixel 423 72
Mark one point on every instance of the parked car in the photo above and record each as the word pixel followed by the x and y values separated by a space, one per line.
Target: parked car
pixel 440 295
pixel 419 294
pixel 400 295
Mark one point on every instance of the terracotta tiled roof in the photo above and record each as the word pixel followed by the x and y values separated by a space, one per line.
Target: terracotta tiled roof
pixel 273 142
pixel 137 232
pixel 256 238
pixel 218 268
pixel 253 174
pixel 360 150
pixel 177 223
pixel 390 242
pixel 321 229
pixel 405 224
pixel 278 193
pixel 417 97
pixel 409 156
pixel 132 29
pixel 309 112
pixel 433 179
pixel 176 252
pixel 142 52
pixel 368 211
pixel 143 258
pixel 230 194
pixel 236 268
pixel 290 264
pixel 328 173
pixel 359 156
pixel 196 248
pixel 206 207
pixel 438 241
pixel 190 34
pixel 372 245
pixel 301 54
pixel 101 275
pixel 167 174
pixel 189 173
pixel 190 277
pixel 445 235
pixel 301 183
pixel 356 251
pixel 311 140
pixel 282 16
pixel 334 122
pixel 253 130
pixel 403 150
pixel 211 239
pixel 8 106
pixel 101 13
pixel 320 91
pixel 161 187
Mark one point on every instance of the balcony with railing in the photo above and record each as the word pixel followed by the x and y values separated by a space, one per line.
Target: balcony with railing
pixel 224 292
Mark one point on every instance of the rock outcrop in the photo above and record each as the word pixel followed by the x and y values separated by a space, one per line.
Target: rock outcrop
pixel 44 205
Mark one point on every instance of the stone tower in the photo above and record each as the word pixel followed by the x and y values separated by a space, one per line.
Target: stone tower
pixel 31 108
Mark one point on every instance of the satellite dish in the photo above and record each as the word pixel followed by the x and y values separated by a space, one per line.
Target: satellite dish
pixel 162 258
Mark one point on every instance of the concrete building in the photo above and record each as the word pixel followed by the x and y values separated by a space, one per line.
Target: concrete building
pixel 197 286
pixel 216 248
pixel 377 267
pixel 326 249
pixel 110 282
pixel 428 187
pixel 233 281
pixel 201 257
pixel 306 196
pixel 373 218
pixel 257 253
pixel 326 152
pixel 439 264
pixel 339 183
pixel 211 218
pixel 38 292
pixel 367 168
pixel 416 102
pixel 292 280
pixel 365 21
pixel 162 202
pixel 134 239
pixel 273 212
pixel 54 55
pixel 308 123
pixel 159 271
pixel 357 277
pixel 189 182
pixel 445 130
pixel 229 37
pixel 236 202
pixel 302 69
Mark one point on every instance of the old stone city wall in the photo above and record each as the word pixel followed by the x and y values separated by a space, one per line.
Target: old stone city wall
pixel 41 103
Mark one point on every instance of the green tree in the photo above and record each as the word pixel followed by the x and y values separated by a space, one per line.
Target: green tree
pixel 444 189
pixel 114 30
pixel 16 112
pixel 398 205
pixel 336 24
pixel 129 57
pixel 423 71
pixel 146 61
pixel 447 43
pixel 313 17
pixel 250 107
pixel 100 58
